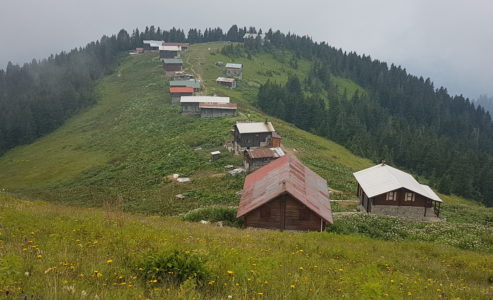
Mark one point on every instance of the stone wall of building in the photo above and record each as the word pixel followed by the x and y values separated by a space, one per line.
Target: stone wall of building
pixel 407 212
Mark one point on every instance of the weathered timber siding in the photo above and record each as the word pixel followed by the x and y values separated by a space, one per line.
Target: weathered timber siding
pixel 247 140
pixel 175 97
pixel 190 108
pixel 168 54
pixel 284 213
pixel 216 112
pixel 172 67
pixel 419 200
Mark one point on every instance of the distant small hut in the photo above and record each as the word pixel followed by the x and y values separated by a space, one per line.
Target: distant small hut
pixel 182 76
pixel 139 50
pixel 172 65
pixel 384 190
pixel 259 157
pixel 234 70
pixel 216 110
pixel 177 92
pixel 285 195
pixel 228 82
pixel 194 83
pixel 169 51
pixel 249 135
pixel 191 104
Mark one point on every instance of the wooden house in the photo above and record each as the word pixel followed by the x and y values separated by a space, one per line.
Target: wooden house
pixel 234 70
pixel 259 157
pixel 194 83
pixel 183 76
pixel 384 190
pixel 172 65
pixel 285 195
pixel 183 46
pixel 191 104
pixel 177 92
pixel 139 50
pixel 276 140
pixel 169 51
pixel 216 110
pixel 152 45
pixel 249 135
pixel 228 82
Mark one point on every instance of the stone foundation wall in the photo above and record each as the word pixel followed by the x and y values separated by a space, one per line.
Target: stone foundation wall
pixel 407 212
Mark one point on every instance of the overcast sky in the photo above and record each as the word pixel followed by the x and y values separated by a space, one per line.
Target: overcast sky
pixel 450 41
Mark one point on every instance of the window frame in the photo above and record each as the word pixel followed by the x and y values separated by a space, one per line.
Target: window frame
pixel 412 197
pixel 394 196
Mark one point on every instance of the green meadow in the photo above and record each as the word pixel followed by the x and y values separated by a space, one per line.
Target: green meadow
pixel 90 210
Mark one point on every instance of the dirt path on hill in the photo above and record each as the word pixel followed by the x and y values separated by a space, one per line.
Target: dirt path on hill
pixel 196 74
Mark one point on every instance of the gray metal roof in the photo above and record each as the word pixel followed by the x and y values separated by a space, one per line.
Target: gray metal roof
pixel 153 43
pixel 234 66
pixel 191 83
pixel 254 127
pixel 172 61
pixel 225 79
pixel 382 178
pixel 203 99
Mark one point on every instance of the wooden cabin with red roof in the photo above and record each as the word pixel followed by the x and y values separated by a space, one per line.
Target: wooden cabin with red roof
pixel 285 195
pixel 177 92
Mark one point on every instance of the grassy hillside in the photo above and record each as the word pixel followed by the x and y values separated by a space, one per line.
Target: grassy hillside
pixel 133 139
pixel 120 154
pixel 127 146
pixel 59 252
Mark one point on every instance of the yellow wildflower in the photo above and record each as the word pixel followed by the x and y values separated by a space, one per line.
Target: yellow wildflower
pixel 109 261
pixel 260 293
pixel 292 286
pixel 230 272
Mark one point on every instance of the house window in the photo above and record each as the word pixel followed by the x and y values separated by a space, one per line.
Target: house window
pixel 265 212
pixel 409 196
pixel 392 196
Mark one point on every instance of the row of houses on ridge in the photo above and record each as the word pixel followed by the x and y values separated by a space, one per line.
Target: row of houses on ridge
pixel 280 192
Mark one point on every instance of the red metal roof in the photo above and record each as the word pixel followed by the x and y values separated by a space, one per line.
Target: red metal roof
pixel 218 105
pixel 261 153
pixel 275 135
pixel 286 174
pixel 180 89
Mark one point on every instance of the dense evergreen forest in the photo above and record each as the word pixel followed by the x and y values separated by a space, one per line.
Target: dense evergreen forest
pixel 486 102
pixel 38 97
pixel 401 118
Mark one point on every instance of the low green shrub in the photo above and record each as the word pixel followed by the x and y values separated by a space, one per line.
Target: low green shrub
pixel 174 267
pixel 464 236
pixel 227 215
